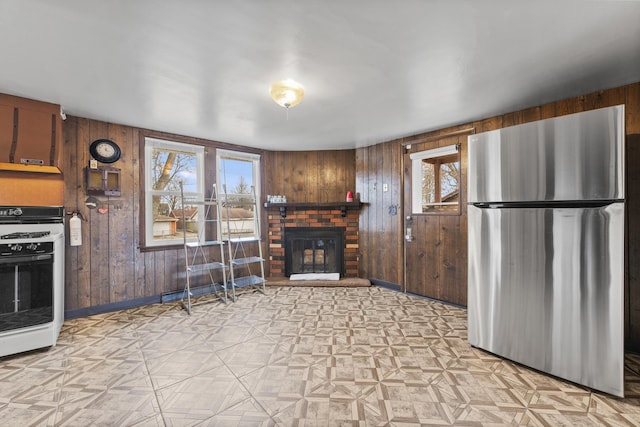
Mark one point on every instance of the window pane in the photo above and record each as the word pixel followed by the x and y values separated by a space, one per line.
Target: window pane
pixel 449 182
pixel 168 164
pixel 428 184
pixel 237 174
pixel 435 181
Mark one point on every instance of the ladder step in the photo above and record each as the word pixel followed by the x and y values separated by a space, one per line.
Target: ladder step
pixel 201 202
pixel 207 266
pixel 248 260
pixel 248 281
pixel 243 239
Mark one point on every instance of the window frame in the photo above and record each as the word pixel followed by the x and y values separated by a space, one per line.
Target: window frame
pixel 255 160
pixel 417 158
pixel 149 144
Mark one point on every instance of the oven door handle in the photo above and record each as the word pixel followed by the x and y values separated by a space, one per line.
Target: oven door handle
pixel 24 259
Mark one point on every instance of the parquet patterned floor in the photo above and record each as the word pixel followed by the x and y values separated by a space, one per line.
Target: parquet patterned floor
pixel 292 357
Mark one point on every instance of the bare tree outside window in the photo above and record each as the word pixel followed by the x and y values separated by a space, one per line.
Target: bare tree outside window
pixel 440 183
pixel 167 165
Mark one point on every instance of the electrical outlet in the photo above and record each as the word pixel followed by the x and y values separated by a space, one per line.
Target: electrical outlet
pixel 385 187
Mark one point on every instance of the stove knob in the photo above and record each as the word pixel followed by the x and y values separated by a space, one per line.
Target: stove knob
pixel 32 246
pixel 16 248
pixel 15 212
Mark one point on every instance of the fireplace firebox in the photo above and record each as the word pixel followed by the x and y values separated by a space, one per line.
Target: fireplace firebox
pixel 314 250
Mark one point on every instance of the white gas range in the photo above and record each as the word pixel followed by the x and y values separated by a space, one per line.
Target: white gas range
pixel 31 277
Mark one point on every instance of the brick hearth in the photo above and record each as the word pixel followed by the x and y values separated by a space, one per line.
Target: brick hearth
pixel 313 217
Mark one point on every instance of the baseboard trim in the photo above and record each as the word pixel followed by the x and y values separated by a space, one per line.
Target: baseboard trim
pixel 385 284
pixel 195 292
pixel 106 308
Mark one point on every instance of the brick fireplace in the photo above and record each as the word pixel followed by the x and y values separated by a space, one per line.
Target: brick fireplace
pixel 308 216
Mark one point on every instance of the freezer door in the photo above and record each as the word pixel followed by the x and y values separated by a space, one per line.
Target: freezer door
pixel 574 157
pixel 546 290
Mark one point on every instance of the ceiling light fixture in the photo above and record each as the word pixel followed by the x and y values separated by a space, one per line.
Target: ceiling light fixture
pixel 286 93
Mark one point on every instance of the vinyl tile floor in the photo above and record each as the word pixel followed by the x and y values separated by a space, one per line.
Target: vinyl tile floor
pixel 308 356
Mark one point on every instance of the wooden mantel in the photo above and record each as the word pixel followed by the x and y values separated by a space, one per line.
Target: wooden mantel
pixel 343 206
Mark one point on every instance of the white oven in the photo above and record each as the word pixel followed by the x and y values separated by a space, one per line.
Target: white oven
pixel 31 277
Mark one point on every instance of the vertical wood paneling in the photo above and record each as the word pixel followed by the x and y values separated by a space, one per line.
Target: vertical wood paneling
pixel 632 300
pixel 85 274
pixel 99 231
pixel 310 176
pixel 632 109
pixel 121 223
pixel 362 177
pixel 72 182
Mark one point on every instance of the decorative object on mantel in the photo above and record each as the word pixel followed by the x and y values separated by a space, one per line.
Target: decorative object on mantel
pixel 276 199
pixel 343 206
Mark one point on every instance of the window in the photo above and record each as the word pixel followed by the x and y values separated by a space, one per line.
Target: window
pixel 167 164
pixel 436 180
pixel 239 177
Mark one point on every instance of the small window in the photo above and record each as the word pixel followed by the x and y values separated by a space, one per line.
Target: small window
pixel 167 164
pixel 436 180
pixel 239 176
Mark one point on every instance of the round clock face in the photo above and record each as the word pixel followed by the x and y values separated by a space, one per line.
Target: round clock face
pixel 105 150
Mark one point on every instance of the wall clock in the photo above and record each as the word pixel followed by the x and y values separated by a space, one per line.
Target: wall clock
pixel 105 150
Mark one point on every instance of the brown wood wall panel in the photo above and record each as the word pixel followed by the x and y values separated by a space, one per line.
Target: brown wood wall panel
pixel 633 109
pixel 309 176
pixel 361 182
pixel 632 301
pixel 121 220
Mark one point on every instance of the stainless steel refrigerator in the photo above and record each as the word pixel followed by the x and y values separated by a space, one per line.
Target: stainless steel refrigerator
pixel 546 246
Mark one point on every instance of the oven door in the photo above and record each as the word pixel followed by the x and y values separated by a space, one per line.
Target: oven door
pixel 26 291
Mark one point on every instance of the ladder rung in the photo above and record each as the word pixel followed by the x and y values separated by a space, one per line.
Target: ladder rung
pixel 248 281
pixel 248 260
pixel 207 266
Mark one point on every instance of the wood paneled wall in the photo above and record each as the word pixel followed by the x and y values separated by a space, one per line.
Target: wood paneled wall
pixel 309 176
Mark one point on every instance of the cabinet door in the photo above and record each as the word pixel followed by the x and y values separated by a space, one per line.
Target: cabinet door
pixel 6 131
pixel 36 136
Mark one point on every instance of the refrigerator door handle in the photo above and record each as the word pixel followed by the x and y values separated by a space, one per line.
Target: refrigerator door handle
pixel 547 204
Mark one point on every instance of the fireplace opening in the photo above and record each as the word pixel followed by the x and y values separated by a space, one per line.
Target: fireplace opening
pixel 314 250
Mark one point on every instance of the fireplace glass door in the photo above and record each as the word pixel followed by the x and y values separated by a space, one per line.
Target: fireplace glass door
pixel 314 250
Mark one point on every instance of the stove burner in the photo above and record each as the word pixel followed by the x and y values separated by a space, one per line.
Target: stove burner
pixel 26 235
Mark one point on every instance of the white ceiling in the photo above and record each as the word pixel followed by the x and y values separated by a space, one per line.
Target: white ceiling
pixel 373 70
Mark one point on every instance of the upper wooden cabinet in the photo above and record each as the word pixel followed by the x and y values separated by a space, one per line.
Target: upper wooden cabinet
pixel 30 133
